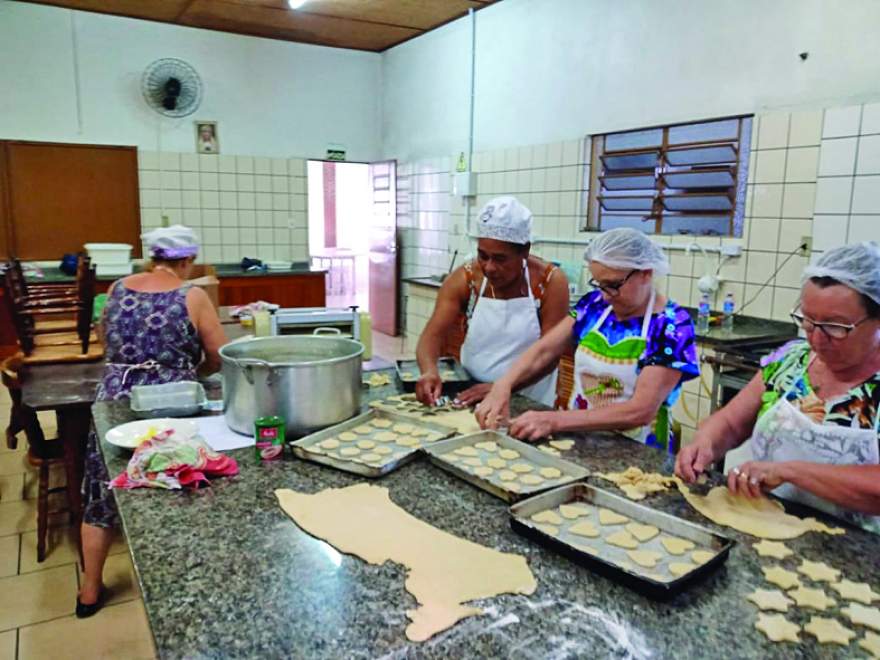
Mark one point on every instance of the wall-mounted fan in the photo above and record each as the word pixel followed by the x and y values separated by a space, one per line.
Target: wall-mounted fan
pixel 172 87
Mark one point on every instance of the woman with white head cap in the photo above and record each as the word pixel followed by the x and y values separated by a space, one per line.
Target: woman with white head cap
pixel 633 349
pixel 508 299
pixel 156 329
pixel 813 411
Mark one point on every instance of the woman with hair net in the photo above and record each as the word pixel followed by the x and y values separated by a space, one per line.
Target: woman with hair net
pixel 813 411
pixel 634 348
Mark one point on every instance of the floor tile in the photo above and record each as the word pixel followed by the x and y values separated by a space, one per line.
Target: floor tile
pixel 9 546
pixel 57 477
pixel 13 463
pixel 120 631
pixel 11 487
pixel 7 645
pixel 37 597
pixel 60 550
pixel 119 579
pixel 21 516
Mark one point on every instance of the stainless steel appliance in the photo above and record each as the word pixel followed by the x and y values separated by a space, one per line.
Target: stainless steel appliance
pixel 305 320
pixel 734 365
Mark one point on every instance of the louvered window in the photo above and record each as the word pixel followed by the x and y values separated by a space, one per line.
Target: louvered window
pixel 681 179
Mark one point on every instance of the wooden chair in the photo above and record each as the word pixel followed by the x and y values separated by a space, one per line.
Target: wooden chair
pixel 42 453
pixel 48 289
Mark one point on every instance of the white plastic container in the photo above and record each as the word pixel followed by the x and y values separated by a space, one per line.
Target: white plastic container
pixel 109 253
pixel 113 270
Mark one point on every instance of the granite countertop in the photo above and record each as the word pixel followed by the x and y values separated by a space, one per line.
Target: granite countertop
pixel 54 275
pixel 225 573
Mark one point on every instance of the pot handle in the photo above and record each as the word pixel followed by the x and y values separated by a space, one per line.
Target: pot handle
pixel 327 331
pixel 247 365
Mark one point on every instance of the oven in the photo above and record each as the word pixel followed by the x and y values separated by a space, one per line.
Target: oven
pixel 734 365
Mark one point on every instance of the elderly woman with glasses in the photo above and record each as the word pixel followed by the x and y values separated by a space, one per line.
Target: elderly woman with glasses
pixel 813 411
pixel 633 349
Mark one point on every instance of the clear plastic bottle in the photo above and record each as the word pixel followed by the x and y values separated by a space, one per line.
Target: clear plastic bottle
pixel 703 314
pixel 729 307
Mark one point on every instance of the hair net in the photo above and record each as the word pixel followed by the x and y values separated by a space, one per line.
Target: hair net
pixel 856 266
pixel 174 242
pixel 626 248
pixel 505 219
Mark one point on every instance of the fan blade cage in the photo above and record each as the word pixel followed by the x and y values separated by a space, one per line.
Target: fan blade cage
pixel 172 87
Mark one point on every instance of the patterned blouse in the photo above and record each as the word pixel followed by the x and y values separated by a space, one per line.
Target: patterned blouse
pixel 670 342
pixel 786 369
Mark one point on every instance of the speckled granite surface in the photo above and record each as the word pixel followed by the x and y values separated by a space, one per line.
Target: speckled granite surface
pixel 225 573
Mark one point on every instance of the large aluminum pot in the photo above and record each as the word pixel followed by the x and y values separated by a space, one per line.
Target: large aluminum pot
pixel 311 381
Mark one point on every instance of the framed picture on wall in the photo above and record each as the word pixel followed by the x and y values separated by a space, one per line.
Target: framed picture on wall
pixel 207 140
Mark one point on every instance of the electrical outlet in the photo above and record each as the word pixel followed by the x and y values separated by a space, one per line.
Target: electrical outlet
pixel 806 245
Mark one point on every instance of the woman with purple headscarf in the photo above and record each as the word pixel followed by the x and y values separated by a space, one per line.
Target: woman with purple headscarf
pixel 157 329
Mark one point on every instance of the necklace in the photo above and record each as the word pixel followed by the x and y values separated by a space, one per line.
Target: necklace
pixel 167 270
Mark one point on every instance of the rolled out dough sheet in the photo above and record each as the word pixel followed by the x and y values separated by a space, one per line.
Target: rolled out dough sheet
pixel 443 571
pixel 760 516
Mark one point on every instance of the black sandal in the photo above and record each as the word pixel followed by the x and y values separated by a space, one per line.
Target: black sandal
pixel 84 611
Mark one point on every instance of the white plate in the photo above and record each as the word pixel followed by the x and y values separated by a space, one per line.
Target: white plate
pixel 128 436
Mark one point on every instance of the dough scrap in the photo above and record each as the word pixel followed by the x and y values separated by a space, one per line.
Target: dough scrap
pixel 508 454
pixel 681 568
pixel 381 423
pixel 329 443
pixel 349 451
pixel 584 528
pixel 366 444
pixel 642 532
pixel 770 599
pixel 547 517
pixel 701 556
pixel 871 643
pixel 506 475
pixel 623 539
pixel 443 571
pixel 646 558
pixel 378 380
pixel 531 479
pixel 777 628
pixel 760 516
pixel 815 599
pixel 467 451
pixel 637 484
pixel 862 616
pixel 562 445
pixel 858 591
pixel 521 468
pixel 496 463
pixel 483 471
pixel 818 571
pixel 548 529
pixel 488 445
pixel 347 436
pixel 550 472
pixel 402 428
pixel 677 546
pixel 609 517
pixel 571 511
pixel 363 429
pixel 773 549
pixel 829 631
pixel 781 577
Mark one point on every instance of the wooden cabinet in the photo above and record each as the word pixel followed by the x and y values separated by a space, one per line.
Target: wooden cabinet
pixel 287 290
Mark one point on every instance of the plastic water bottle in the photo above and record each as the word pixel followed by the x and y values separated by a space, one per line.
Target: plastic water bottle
pixel 729 307
pixel 703 314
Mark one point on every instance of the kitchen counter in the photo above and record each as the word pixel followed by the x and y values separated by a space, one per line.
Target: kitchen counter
pixel 432 282
pixel 54 275
pixel 225 573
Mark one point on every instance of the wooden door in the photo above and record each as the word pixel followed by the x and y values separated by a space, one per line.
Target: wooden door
pixel 384 267
pixel 60 196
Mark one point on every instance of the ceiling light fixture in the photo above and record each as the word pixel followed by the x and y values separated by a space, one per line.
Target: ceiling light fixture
pixel 296 4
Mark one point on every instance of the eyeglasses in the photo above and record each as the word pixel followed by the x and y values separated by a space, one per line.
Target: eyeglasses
pixel 611 288
pixel 831 330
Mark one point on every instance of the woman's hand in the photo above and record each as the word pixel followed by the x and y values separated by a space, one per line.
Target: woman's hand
pixel 752 479
pixel 429 387
pixel 474 394
pixel 494 409
pixel 533 425
pixel 693 460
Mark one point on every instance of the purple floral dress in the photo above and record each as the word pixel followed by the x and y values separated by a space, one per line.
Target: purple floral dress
pixel 149 339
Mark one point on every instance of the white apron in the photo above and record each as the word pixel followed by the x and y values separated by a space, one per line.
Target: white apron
pixel 784 433
pixel 499 331
pixel 605 374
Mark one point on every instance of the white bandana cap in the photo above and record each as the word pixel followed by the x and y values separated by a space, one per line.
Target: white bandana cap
pixel 174 242
pixel 505 219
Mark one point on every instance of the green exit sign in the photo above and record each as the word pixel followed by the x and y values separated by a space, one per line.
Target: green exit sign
pixel 335 154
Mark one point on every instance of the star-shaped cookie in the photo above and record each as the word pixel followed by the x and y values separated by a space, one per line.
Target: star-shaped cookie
pixel 770 599
pixel 829 631
pixel 818 571
pixel 772 549
pixel 862 616
pixel 858 591
pixel 871 643
pixel 781 577
pixel 778 628
pixel 816 599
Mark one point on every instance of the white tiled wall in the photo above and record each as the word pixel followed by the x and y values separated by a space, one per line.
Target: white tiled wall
pixel 239 205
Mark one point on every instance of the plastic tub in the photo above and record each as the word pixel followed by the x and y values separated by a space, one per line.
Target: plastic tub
pixel 109 253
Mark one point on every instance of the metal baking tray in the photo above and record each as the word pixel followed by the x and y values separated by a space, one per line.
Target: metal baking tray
pixel 570 471
pixel 452 373
pixel 300 447
pixel 635 576
pixel 182 399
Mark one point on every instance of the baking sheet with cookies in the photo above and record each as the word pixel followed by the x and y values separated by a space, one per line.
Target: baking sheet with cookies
pixel 505 467
pixel 652 552
pixel 372 444
pixel 452 373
